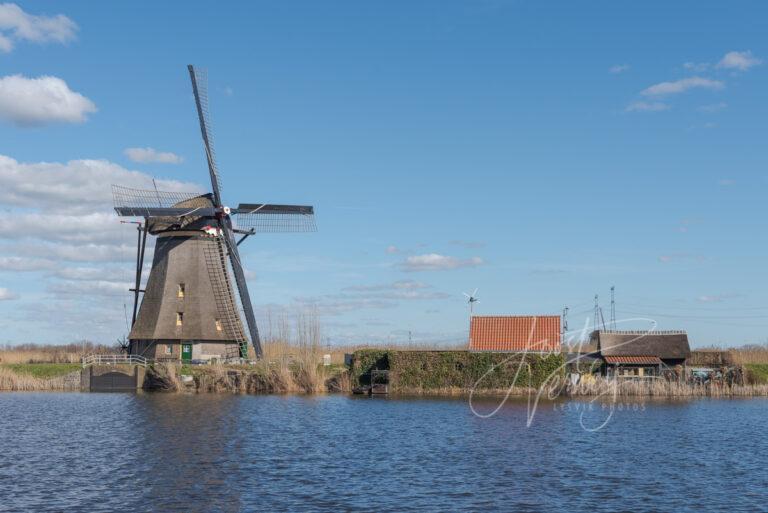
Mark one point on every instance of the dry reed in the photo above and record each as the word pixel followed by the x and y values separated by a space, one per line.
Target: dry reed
pixel 661 388
pixel 11 381
pixel 292 363
pixel 750 355
pixel 50 353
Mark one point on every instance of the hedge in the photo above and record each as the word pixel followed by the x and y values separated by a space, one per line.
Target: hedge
pixel 432 370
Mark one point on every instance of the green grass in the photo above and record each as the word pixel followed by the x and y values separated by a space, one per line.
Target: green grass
pixel 757 373
pixel 42 370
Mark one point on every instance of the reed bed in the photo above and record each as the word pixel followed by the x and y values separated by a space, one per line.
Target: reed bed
pixel 292 363
pixel 20 382
pixel 51 353
pixel 750 355
pixel 261 378
pixel 661 388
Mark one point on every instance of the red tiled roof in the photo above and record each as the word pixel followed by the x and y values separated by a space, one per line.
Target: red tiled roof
pixel 637 360
pixel 515 333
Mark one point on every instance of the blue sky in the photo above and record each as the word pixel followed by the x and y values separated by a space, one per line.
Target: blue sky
pixel 540 151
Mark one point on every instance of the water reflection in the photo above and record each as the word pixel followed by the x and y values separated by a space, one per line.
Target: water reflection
pixel 154 452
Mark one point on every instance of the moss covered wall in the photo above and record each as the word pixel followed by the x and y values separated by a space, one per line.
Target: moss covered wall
pixel 432 370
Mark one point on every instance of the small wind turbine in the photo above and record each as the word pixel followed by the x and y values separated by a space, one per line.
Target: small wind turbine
pixel 472 299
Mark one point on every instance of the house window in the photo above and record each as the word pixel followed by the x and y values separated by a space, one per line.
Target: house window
pixel 180 293
pixel 168 349
pixel 179 318
pixel 218 325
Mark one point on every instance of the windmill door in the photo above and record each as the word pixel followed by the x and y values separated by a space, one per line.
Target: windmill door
pixel 186 352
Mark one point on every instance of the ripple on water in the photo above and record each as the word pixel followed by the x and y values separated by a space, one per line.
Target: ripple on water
pixel 153 452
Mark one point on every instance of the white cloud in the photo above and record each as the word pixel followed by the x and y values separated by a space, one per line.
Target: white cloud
pixel 712 107
pixel 39 101
pixel 81 252
pixel 682 85
pixel 335 305
pixel 468 244
pixel 698 67
pixel 378 296
pixel 60 226
pixel 6 45
pixel 392 250
pixel 398 285
pixel 15 24
pixel 89 288
pixel 77 186
pixel 741 61
pixel 24 264
pixel 93 227
pixel 435 262
pixel 680 257
pixel 618 68
pixel 109 274
pixel 6 295
pixel 717 298
pixel 151 155
pixel 646 107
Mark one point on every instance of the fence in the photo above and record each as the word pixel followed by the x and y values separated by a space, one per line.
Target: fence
pixel 114 359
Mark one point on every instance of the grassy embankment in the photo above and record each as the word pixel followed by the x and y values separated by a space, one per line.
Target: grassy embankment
pixel 39 376
pixel 293 364
pixel 439 372
pixel 757 373
pixel 30 367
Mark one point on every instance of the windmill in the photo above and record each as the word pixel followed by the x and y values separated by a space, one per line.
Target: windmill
pixel 190 305
pixel 471 300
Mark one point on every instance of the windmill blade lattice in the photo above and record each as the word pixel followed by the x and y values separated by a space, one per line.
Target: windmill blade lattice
pixel 126 197
pixel 200 89
pixel 276 222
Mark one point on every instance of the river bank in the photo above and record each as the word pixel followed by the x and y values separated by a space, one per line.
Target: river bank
pixel 449 374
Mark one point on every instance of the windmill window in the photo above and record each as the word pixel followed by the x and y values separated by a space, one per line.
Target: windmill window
pixel 168 349
pixel 179 318
pixel 181 291
pixel 218 325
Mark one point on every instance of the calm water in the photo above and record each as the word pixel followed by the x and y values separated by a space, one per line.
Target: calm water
pixel 152 452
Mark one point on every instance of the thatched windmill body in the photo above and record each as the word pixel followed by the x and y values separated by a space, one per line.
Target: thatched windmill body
pixel 190 307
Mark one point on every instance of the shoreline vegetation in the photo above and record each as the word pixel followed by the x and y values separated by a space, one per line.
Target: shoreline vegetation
pixel 294 364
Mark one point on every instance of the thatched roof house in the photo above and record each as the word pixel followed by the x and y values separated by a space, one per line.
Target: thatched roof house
pixel 666 345
pixel 641 353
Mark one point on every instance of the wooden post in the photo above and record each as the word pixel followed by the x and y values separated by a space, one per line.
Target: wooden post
pixel 142 244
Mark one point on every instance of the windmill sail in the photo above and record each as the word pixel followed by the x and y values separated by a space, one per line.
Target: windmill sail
pixel 126 197
pixel 242 286
pixel 200 89
pixel 275 218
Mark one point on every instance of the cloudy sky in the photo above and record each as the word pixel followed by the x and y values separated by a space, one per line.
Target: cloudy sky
pixel 539 151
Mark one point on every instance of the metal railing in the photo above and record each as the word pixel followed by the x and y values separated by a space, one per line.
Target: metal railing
pixel 114 359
